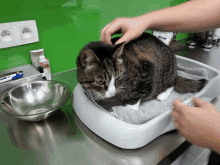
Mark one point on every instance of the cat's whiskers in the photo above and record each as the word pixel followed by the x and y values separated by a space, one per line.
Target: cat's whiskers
pixel 94 99
pixel 85 91
pixel 92 96
pixel 96 96
pixel 99 98
pixel 89 93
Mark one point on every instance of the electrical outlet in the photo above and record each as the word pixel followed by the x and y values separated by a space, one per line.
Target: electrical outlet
pixel 18 33
pixel 26 32
pixel 6 35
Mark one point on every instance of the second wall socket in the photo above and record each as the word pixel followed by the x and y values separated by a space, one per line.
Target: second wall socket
pixel 26 32
pixel 18 33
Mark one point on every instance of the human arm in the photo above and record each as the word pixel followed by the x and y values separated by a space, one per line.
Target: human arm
pixel 200 125
pixel 191 16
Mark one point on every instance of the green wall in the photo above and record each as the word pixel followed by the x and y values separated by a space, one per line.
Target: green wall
pixel 64 26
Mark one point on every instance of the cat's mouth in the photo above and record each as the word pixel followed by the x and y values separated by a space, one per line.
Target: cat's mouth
pixel 109 94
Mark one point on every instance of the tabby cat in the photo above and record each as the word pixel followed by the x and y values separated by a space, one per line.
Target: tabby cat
pixel 142 69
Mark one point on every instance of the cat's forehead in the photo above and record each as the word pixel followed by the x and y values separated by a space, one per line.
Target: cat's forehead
pixel 95 72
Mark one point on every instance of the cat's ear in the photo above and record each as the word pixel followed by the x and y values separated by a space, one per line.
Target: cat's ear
pixel 118 53
pixel 88 59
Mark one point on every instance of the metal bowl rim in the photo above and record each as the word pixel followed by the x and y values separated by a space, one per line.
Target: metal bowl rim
pixel 4 111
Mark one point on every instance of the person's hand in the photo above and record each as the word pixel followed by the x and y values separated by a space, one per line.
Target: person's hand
pixel 131 27
pixel 200 125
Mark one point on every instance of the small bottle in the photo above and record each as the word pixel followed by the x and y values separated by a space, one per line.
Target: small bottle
pixel 41 70
pixel 43 62
pixel 164 36
pixel 174 37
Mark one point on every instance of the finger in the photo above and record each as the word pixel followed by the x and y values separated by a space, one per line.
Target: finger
pixel 174 115
pixel 111 30
pixel 124 38
pixel 177 124
pixel 178 106
pixel 103 31
pixel 199 102
pixel 127 37
pixel 117 32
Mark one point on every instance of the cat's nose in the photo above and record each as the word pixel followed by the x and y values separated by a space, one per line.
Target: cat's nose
pixel 108 95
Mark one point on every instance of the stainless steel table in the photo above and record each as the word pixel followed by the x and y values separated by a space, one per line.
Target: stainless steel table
pixel 64 139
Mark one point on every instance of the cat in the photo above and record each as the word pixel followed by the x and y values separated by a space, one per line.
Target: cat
pixel 142 69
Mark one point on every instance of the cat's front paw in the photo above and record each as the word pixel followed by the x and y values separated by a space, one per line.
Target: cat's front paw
pixel 162 96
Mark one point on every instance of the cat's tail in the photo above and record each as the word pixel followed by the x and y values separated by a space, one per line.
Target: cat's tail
pixel 183 85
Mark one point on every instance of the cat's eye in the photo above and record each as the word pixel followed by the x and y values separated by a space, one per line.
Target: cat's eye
pixel 100 82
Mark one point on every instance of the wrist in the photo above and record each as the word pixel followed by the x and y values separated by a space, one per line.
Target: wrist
pixel 146 21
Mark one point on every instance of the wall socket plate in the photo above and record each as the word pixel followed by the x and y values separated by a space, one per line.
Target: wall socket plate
pixel 18 33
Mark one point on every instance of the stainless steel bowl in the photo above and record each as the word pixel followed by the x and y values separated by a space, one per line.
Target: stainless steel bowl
pixel 34 101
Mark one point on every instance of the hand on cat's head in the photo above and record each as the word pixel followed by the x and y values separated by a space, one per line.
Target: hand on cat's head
pixel 131 28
